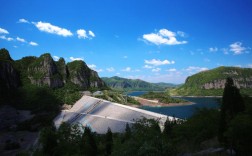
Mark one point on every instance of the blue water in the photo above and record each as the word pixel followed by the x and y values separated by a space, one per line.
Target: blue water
pixel 184 112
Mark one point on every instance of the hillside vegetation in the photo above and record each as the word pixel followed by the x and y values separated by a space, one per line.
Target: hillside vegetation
pixel 124 84
pixel 212 82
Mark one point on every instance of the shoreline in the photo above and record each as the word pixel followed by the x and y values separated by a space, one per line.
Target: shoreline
pixel 199 96
pixel 155 103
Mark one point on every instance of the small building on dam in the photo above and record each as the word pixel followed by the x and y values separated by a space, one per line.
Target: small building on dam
pixel 100 115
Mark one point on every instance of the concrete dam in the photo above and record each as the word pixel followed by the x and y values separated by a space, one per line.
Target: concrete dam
pixel 100 114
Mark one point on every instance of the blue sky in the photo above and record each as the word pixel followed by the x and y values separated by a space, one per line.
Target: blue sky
pixel 152 40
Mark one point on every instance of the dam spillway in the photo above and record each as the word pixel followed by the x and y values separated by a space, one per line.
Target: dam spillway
pixel 100 114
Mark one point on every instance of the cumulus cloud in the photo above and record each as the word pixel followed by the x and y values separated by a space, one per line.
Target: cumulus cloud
pixel 22 20
pixel 250 65
pixel 172 70
pixel 91 33
pixel 3 31
pixel 6 38
pixel 110 69
pixel 196 69
pixel 156 69
pixel 127 69
pixel 237 48
pixel 92 66
pixel 155 62
pixel 56 58
pixel 52 29
pixel 76 58
pixel 33 43
pixel 213 49
pixel 20 39
pixel 82 33
pixel 164 36
pixel 147 66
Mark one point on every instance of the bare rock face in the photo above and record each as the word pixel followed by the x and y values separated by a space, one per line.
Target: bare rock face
pixel 220 84
pixel 95 80
pixel 81 75
pixel 44 72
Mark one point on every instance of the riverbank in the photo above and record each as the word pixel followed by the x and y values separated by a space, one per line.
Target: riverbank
pixel 156 103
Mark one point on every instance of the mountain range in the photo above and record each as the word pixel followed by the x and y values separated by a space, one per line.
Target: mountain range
pixel 124 84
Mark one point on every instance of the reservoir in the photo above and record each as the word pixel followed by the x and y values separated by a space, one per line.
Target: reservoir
pixel 186 111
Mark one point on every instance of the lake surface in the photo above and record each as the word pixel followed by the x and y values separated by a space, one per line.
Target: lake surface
pixel 183 111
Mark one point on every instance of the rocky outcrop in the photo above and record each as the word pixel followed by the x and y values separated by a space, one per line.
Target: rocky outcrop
pixel 9 77
pixel 220 84
pixel 81 75
pixel 44 72
pixel 62 69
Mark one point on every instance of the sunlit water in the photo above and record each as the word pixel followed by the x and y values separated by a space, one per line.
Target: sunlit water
pixel 183 111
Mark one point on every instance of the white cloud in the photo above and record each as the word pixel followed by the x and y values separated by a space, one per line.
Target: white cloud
pixel 196 69
pixel 147 66
pixel 77 58
pixel 164 36
pixel 6 38
pixel 91 33
pixel 156 69
pixel 20 39
pixel 213 49
pixel 52 29
pixel 33 43
pixel 155 62
pixel 172 70
pixel 3 31
pixel 250 65
pixel 92 66
pixel 82 33
pixel 110 69
pixel 99 70
pixel 237 48
pixel 22 20
pixel 56 58
pixel 127 69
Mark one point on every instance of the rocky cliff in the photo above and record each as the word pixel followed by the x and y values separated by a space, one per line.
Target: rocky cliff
pixel 213 81
pixel 44 70
pixel 82 75
pixel 9 77
pixel 220 84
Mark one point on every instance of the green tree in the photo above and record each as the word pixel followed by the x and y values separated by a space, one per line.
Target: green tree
pixel 239 134
pixel 232 104
pixel 88 143
pixel 109 142
pixel 48 139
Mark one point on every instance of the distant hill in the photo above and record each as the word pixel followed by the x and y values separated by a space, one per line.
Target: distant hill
pixel 212 82
pixel 124 84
